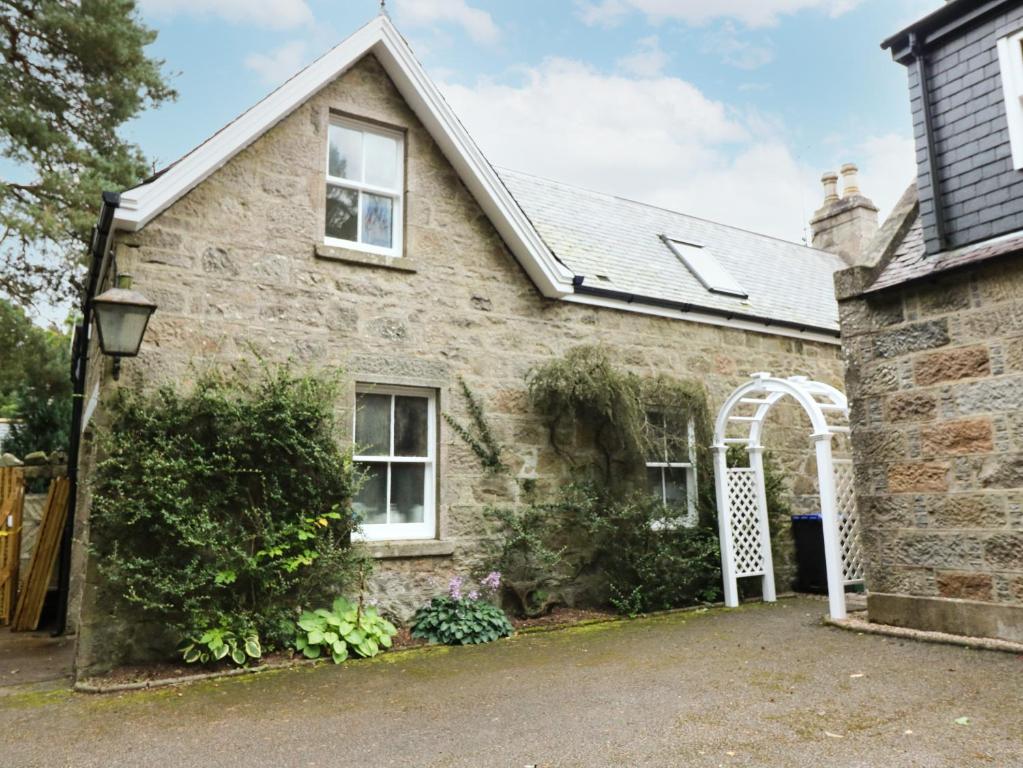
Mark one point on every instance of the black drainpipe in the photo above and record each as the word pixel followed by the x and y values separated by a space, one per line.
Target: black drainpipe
pixel 920 56
pixel 79 366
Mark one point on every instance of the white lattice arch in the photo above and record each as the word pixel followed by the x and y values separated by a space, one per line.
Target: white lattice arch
pixel 742 505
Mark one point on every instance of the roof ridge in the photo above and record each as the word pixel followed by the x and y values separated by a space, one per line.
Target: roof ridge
pixel 501 169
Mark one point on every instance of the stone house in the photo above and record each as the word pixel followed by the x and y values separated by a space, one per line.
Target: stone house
pixel 932 332
pixel 348 219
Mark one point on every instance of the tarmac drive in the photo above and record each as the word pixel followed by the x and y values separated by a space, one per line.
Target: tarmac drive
pixel 764 686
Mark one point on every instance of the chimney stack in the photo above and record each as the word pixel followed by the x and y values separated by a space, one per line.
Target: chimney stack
pixel 844 225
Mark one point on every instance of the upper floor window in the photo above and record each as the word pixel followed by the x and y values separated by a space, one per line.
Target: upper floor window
pixel 671 467
pixel 395 443
pixel 365 183
pixel 1010 58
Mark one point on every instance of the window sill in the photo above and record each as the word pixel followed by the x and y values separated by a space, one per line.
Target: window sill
pixel 395 550
pixel 349 256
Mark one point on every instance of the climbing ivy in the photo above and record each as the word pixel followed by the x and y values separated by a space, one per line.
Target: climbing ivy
pixel 478 435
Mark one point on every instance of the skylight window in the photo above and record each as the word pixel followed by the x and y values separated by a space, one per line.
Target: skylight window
pixel 708 270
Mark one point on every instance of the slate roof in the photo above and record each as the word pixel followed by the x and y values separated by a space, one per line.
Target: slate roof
pixel 596 234
pixel 910 263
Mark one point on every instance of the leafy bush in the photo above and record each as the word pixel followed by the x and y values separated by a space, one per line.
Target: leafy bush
pixel 645 562
pixel 532 549
pixel 344 627
pixel 220 643
pixel 457 619
pixel 650 563
pixel 227 504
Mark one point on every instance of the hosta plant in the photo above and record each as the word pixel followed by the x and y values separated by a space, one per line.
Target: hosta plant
pixel 221 643
pixel 343 629
pixel 459 618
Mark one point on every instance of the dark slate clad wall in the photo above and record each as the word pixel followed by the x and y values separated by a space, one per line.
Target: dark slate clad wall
pixel 982 194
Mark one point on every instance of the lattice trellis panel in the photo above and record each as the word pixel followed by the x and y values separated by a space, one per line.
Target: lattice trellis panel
pixel 742 512
pixel 848 523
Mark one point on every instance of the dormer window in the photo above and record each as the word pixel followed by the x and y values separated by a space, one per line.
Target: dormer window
pixel 1010 58
pixel 365 183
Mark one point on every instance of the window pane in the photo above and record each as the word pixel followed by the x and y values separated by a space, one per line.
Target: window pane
pixel 376 220
pixel 410 426
pixel 371 502
pixel 342 213
pixel 675 489
pixel 407 488
pixel 373 424
pixel 653 481
pixel 345 159
pixel 381 161
pixel 676 438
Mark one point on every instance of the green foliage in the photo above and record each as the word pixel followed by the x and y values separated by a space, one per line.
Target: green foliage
pixel 341 629
pixel 585 392
pixel 584 387
pixel 652 563
pixel 531 549
pixel 460 621
pixel 35 383
pixel 225 504
pixel 221 643
pixel 74 72
pixel 478 435
pixel 647 562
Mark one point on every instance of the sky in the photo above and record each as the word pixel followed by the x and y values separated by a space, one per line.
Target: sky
pixel 725 109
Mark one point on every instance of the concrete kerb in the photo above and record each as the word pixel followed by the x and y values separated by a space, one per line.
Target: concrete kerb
pixel 858 623
pixel 90 687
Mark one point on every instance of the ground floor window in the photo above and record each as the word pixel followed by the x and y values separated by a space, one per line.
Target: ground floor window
pixel 671 466
pixel 395 444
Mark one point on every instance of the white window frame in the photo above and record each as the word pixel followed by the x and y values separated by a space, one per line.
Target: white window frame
pixel 397 194
pixel 399 531
pixel 1010 58
pixel 691 516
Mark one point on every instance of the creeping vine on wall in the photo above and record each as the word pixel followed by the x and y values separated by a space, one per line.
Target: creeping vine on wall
pixel 585 392
pixel 478 435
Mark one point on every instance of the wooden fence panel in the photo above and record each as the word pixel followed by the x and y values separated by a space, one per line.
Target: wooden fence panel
pixel 44 556
pixel 12 501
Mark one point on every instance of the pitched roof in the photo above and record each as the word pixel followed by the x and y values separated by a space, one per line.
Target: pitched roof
pixel 618 246
pixel 379 37
pixel 558 233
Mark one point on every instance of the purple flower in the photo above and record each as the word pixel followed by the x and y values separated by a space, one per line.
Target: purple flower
pixel 455 588
pixel 492 582
pixel 474 595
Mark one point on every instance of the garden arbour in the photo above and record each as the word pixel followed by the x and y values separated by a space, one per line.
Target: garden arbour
pixel 741 500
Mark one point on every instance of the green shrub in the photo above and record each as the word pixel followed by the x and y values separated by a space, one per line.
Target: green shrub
pixel 463 619
pixel 227 504
pixel 343 628
pixel 220 643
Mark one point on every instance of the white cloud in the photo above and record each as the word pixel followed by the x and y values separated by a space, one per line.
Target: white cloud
pixel 279 64
pixel 647 60
pixel 478 24
pixel 276 14
pixel 660 140
pixel 752 13
pixel 736 51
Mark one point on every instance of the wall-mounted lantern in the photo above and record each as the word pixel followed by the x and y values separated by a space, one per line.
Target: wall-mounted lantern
pixel 121 319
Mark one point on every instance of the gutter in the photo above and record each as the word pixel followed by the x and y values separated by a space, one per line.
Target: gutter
pixel 940 24
pixel 920 57
pixel 99 251
pixel 685 307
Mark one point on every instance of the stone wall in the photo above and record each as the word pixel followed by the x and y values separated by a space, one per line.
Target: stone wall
pixel 235 266
pixel 935 377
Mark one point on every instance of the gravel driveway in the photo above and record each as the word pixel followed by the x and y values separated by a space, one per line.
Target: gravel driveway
pixel 762 686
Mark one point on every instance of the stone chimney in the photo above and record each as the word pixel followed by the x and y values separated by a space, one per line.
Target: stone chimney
pixel 844 225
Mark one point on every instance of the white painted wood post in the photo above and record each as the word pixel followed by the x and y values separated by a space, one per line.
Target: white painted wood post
pixel 829 515
pixel 725 526
pixel 756 462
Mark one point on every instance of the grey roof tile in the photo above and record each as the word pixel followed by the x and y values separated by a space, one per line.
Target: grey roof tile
pixel 597 234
